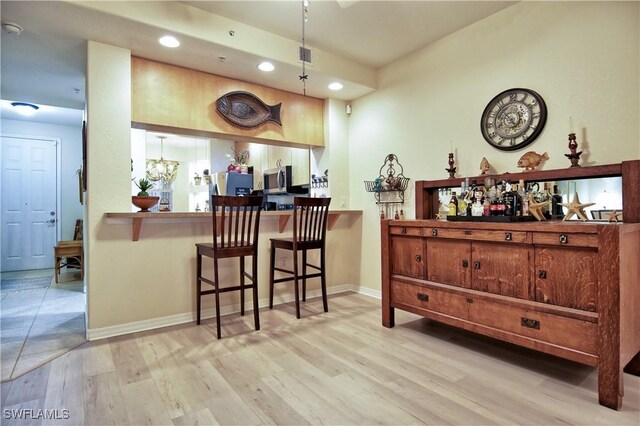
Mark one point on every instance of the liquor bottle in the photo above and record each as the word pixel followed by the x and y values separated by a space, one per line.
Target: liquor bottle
pixel 546 196
pixel 462 206
pixel 556 199
pixel 513 202
pixel 525 199
pixel 486 206
pixel 453 204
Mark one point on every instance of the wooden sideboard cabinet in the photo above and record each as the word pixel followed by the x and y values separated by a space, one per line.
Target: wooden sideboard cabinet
pixel 570 289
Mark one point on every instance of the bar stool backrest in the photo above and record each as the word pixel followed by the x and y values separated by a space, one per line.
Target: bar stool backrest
pixel 238 223
pixel 310 219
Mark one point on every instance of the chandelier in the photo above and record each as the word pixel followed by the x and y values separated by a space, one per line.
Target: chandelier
pixel 164 170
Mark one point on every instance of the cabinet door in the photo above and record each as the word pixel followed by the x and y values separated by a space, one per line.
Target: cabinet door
pixel 407 256
pixel 258 160
pixel 281 153
pixel 449 262
pixel 300 166
pixel 500 269
pixel 566 277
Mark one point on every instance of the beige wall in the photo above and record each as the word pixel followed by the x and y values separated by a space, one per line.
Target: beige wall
pixel 151 282
pixel 582 57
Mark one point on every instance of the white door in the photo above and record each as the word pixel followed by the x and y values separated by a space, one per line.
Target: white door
pixel 28 203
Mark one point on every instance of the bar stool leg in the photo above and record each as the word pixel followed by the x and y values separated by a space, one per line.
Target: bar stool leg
pixel 242 285
pixel 304 275
pixel 295 281
pixel 323 280
pixel 217 293
pixel 272 262
pixel 256 309
pixel 198 285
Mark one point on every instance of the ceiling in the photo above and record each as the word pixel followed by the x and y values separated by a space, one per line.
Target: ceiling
pixel 349 40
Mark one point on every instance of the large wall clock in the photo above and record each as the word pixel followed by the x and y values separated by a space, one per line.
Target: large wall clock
pixel 513 119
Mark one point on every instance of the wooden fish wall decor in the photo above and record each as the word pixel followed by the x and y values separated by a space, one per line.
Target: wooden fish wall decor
pixel 246 110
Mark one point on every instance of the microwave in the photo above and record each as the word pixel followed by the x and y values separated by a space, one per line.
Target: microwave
pixel 277 181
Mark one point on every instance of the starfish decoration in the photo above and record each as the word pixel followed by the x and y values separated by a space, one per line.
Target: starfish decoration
pixel 535 209
pixel 615 216
pixel 576 208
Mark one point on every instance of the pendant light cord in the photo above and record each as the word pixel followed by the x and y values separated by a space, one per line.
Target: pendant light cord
pixel 305 18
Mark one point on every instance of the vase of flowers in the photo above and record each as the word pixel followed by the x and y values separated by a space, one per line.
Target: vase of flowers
pixel 238 159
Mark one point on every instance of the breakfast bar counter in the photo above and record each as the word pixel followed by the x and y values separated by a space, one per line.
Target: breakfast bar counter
pixel 137 218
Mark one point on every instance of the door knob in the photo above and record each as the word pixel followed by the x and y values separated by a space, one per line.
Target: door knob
pixel 51 221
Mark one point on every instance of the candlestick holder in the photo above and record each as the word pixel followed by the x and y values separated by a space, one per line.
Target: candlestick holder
pixel 574 156
pixel 451 169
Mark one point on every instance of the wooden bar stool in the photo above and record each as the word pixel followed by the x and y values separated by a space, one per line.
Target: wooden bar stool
pixel 235 234
pixel 309 233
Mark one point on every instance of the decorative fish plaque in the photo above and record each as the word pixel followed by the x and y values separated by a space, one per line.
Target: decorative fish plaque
pixel 246 110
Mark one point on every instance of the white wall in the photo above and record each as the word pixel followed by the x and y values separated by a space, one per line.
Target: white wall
pixel 70 152
pixel 582 57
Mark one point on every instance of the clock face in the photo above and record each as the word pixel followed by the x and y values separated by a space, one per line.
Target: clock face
pixel 513 119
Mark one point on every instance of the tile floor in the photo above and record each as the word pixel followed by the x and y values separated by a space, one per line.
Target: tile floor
pixel 39 325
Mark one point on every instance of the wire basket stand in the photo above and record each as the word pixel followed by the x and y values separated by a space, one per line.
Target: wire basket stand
pixel 389 187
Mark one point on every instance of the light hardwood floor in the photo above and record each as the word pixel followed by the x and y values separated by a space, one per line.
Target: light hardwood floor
pixel 340 367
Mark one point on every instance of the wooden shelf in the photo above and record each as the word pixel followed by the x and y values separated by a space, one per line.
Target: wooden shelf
pixel 283 218
pixel 427 190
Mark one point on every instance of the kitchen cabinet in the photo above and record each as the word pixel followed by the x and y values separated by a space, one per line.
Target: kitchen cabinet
pixel 279 156
pixel 300 168
pixel 265 157
pixel 566 288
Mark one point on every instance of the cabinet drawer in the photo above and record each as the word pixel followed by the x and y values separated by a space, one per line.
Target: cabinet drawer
pixel 558 330
pixel 405 230
pixel 565 239
pixel 477 234
pixel 429 299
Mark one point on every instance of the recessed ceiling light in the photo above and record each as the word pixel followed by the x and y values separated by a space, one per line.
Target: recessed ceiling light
pixel 335 86
pixel 169 41
pixel 25 108
pixel 266 67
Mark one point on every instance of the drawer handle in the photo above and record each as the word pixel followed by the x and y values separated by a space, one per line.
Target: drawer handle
pixel 530 323
pixel 507 236
pixel 564 239
pixel 434 232
pixel 423 297
pixel 469 300
pixel 476 265
pixel 404 231
pixel 465 263
pixel 542 274
pixel 467 232
pixel 418 258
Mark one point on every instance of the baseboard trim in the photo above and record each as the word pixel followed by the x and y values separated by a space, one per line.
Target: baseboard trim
pixel 170 320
